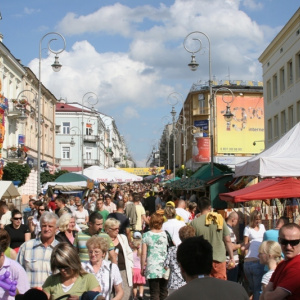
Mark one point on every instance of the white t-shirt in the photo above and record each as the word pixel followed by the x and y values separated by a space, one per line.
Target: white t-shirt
pixel 266 278
pixel 173 226
pixel 184 214
pixel 255 239
pixel 80 216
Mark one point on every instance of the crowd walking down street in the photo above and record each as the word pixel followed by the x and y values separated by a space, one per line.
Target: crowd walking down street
pixel 143 244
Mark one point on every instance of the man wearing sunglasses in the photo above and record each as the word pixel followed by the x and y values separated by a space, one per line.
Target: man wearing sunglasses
pixel 284 283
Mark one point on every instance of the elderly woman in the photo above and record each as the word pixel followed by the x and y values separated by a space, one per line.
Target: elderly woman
pixel 18 232
pixel 124 254
pixel 66 226
pixel 154 252
pixel 69 279
pixel 107 273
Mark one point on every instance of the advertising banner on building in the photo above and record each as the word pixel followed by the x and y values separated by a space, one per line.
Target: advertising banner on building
pixel 143 171
pixel 245 133
pixel 203 125
pixel 201 149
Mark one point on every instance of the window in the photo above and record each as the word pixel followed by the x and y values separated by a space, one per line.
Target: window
pixel 290 73
pixel 275 86
pixel 283 122
pixel 298 65
pixel 88 153
pixel 201 104
pixel 65 152
pixel 282 80
pixel 66 127
pixel 88 129
pixel 270 130
pixel 291 116
pixel 269 95
pixel 276 127
pixel 298 111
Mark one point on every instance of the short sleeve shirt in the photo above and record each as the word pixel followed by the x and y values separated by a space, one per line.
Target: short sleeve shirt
pixel 84 283
pixel 17 236
pixel 255 239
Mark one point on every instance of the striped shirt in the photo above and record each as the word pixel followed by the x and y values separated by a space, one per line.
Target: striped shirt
pixel 34 257
pixel 80 243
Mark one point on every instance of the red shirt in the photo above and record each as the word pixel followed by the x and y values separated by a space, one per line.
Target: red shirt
pixel 286 276
pixel 52 206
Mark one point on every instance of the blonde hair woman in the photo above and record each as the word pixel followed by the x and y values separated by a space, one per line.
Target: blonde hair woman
pixel 124 254
pixel 107 273
pixel 66 226
pixel 71 280
pixel 253 237
pixel 269 255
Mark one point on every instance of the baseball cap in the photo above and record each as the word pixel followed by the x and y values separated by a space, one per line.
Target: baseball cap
pixel 170 203
pixel 137 235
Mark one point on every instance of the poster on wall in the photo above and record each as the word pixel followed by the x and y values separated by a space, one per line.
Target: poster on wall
pixel 245 128
pixel 201 149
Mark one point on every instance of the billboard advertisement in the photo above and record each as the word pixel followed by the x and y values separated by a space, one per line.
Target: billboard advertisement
pixel 245 128
pixel 201 149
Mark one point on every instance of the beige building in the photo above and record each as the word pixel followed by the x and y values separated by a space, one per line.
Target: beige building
pixel 281 77
pixel 19 86
pixel 234 141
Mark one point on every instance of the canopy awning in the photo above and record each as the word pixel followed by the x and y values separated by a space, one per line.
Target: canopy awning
pixel 266 189
pixel 8 190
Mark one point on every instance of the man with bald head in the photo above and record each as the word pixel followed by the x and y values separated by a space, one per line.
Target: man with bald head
pixel 284 283
pixel 232 221
pixel 182 212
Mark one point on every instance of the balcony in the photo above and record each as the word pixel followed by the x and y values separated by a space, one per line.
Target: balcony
pixel 91 162
pixel 116 159
pixel 16 155
pixel 91 138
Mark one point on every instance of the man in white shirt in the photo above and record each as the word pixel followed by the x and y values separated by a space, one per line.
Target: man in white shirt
pixel 109 205
pixel 182 212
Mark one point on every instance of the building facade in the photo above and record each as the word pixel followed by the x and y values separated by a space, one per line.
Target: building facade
pixel 281 77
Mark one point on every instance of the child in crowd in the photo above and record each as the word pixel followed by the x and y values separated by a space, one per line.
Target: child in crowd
pixel 269 254
pixel 138 279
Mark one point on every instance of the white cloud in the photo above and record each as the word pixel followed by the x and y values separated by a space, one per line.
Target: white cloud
pixel 30 11
pixel 130 113
pixel 253 4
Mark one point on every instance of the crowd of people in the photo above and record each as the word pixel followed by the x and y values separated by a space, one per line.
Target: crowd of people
pixel 115 241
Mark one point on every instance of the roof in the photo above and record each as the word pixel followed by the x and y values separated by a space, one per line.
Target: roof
pixel 71 177
pixel 64 107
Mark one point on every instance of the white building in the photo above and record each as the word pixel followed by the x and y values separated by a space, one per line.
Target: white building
pixel 281 80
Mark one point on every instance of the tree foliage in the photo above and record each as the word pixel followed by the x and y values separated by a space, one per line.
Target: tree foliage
pixel 47 177
pixel 16 172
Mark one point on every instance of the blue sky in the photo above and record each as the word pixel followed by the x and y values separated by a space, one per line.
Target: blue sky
pixel 130 52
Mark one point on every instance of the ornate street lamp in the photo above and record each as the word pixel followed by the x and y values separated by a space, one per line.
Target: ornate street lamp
pixel 56 66
pixel 193 66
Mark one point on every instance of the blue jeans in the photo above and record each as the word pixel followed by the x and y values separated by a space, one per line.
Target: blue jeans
pixel 254 272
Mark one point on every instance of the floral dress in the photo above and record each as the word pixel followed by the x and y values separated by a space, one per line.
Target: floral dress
pixel 156 253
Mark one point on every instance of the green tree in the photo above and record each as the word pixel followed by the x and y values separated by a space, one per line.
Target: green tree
pixel 16 172
pixel 47 177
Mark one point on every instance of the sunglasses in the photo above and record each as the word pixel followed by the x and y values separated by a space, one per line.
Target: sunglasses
pixel 17 219
pixel 63 268
pixel 285 242
pixel 40 209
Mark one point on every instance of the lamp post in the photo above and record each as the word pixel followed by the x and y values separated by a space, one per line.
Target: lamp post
pixel 86 97
pixel 178 97
pixel 173 114
pixel 56 66
pixel 193 66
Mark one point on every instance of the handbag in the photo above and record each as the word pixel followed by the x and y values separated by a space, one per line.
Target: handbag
pixel 170 241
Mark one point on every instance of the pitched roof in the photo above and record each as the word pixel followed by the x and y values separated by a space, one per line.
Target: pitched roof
pixel 64 107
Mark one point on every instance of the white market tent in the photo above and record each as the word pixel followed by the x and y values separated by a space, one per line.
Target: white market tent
pixel 8 190
pixel 110 175
pixel 280 160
